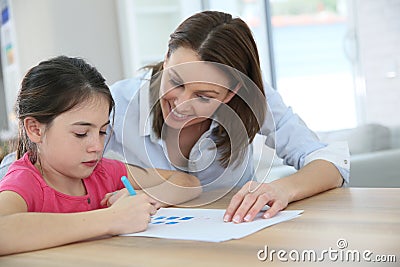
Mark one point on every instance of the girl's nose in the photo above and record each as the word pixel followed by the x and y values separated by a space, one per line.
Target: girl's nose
pixel 96 144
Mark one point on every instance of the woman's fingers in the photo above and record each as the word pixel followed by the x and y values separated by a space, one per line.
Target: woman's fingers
pixel 251 199
pixel 236 201
pixel 274 209
pixel 255 209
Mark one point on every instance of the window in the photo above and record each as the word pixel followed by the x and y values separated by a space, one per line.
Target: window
pixel 314 58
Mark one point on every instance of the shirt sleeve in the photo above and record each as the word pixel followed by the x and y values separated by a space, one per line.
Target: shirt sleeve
pixel 336 153
pixel 294 142
pixel 6 162
pixel 26 184
pixel 123 93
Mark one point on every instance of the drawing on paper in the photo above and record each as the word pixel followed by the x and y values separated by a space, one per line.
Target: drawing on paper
pixel 169 219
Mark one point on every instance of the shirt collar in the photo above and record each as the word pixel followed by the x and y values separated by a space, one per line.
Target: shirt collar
pixel 145 116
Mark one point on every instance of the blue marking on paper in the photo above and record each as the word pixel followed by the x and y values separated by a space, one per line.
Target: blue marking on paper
pixel 186 218
pixel 170 220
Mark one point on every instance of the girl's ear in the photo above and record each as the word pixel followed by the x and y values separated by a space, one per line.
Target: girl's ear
pixel 231 93
pixel 34 129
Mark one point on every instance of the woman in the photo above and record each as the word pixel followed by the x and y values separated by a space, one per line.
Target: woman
pixel 176 120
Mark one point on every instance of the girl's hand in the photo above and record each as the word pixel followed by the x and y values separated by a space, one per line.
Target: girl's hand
pixel 130 214
pixel 110 198
pixel 252 197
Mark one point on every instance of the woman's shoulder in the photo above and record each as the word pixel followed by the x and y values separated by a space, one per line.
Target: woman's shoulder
pixel 127 88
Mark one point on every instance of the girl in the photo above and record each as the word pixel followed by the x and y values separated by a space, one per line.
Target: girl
pixel 199 110
pixel 52 195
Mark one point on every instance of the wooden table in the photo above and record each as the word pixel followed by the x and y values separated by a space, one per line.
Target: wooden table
pixel 366 218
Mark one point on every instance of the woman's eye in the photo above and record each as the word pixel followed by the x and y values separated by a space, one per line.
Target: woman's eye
pixel 175 83
pixel 203 98
pixel 80 135
pixel 103 133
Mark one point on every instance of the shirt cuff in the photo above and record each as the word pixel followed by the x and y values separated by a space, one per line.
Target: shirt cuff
pixel 338 154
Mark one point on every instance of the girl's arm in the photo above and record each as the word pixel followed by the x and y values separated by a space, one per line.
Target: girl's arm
pixel 24 231
pixel 166 186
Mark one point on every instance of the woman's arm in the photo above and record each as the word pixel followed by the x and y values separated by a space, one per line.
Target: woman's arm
pixel 315 177
pixel 177 187
pixel 24 231
pixel 166 186
pixel 321 167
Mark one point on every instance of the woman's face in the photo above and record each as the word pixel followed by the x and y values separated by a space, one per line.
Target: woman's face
pixel 191 90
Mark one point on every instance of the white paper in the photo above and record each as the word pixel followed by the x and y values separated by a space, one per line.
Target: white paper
pixel 206 224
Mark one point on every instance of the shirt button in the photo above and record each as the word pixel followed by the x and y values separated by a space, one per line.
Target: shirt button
pixel 345 161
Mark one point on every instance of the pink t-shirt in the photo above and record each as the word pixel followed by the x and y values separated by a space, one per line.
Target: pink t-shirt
pixel 24 179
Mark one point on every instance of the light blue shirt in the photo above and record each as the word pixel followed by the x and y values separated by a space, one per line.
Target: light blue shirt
pixel 136 143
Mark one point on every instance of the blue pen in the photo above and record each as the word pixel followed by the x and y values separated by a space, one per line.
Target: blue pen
pixel 128 186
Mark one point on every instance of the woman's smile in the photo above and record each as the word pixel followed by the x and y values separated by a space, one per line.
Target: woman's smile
pixel 177 115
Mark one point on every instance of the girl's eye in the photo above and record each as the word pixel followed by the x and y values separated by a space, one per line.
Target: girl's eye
pixel 80 135
pixel 103 133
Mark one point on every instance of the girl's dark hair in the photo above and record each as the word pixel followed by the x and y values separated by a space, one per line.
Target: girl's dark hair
pixel 217 37
pixel 53 87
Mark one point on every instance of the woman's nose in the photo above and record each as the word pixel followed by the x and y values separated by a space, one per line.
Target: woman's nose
pixel 181 99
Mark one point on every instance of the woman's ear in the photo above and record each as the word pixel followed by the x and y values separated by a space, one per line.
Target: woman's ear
pixel 231 93
pixel 34 129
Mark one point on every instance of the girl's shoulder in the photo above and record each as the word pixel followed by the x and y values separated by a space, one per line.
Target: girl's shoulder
pixel 24 179
pixel 22 171
pixel 110 168
pixel 108 163
pixel 106 177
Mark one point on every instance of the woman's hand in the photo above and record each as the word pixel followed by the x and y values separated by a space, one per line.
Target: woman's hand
pixel 252 197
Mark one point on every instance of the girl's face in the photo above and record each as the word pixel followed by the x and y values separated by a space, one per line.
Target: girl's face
pixel 191 90
pixel 73 143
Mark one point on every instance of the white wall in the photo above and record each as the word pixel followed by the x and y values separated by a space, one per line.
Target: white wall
pixel 88 29
pixel 379 44
pixel 48 28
